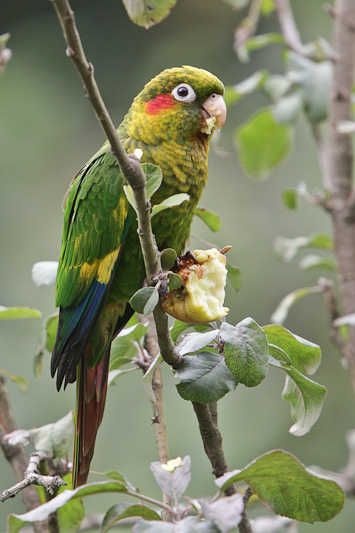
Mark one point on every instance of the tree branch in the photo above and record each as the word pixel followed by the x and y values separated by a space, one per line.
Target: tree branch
pixel 33 477
pixel 16 456
pixel 129 166
pixel 340 164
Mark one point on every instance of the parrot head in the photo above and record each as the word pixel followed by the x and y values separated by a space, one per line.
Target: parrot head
pixel 179 104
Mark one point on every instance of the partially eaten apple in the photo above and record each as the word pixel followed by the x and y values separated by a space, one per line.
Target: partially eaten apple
pixel 200 298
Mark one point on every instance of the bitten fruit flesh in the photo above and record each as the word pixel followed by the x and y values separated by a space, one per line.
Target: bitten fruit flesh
pixel 200 298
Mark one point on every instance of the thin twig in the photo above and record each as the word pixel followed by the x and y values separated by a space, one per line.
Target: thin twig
pixel 129 166
pixel 244 526
pixel 288 26
pixel 161 437
pixel 16 456
pixel 32 477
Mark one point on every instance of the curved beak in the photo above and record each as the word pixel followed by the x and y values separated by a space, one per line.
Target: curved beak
pixel 214 108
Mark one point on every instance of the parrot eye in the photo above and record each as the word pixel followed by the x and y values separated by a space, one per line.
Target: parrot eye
pixel 184 93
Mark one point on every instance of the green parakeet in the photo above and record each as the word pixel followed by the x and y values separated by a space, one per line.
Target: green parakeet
pixel 171 120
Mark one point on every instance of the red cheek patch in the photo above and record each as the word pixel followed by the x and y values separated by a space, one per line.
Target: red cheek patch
pixel 160 103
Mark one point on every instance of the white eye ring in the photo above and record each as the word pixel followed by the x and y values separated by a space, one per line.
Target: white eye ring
pixel 184 93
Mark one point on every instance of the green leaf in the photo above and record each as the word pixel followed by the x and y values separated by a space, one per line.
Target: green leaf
pixel 313 78
pixel 21 382
pixel 148 382
pixel 46 342
pixel 153 175
pixel 145 300
pixel 305 355
pixel 297 357
pixel 195 341
pixel 312 262
pixel 290 199
pixel 42 512
pixel 246 351
pixel 13 313
pixel 44 272
pixel 167 258
pixel 286 249
pixel 210 218
pixel 267 7
pixel 72 514
pixel 172 201
pixel 281 312
pixel 276 86
pixel 286 486
pixel 305 396
pixel 235 92
pixel 262 143
pixel 124 510
pixel 288 109
pixel 234 276
pixel 179 327
pixel 175 281
pixel 257 42
pixel 147 13
pixel 204 377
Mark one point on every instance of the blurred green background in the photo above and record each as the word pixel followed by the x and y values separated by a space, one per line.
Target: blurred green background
pixel 47 132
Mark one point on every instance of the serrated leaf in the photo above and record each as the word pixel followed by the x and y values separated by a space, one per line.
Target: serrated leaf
pixel 173 483
pixel 147 13
pixel 167 258
pixel 246 351
pixel 172 201
pixel 286 249
pixel 210 218
pixel 204 378
pixel 281 312
pixel 14 313
pixel 234 276
pixel 304 355
pixel 16 522
pixel 145 300
pixel 44 272
pixel 262 143
pixel 312 262
pixel 195 341
pixel 290 489
pixel 124 510
pixel 21 382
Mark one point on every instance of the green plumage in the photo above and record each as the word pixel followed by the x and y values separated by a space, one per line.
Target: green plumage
pixel 101 263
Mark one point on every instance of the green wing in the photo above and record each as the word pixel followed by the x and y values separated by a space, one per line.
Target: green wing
pixel 96 222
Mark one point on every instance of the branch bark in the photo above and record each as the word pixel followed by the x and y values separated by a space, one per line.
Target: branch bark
pixel 340 164
pixel 16 456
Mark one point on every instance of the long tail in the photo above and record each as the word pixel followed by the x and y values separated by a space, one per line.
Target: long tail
pixel 91 389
